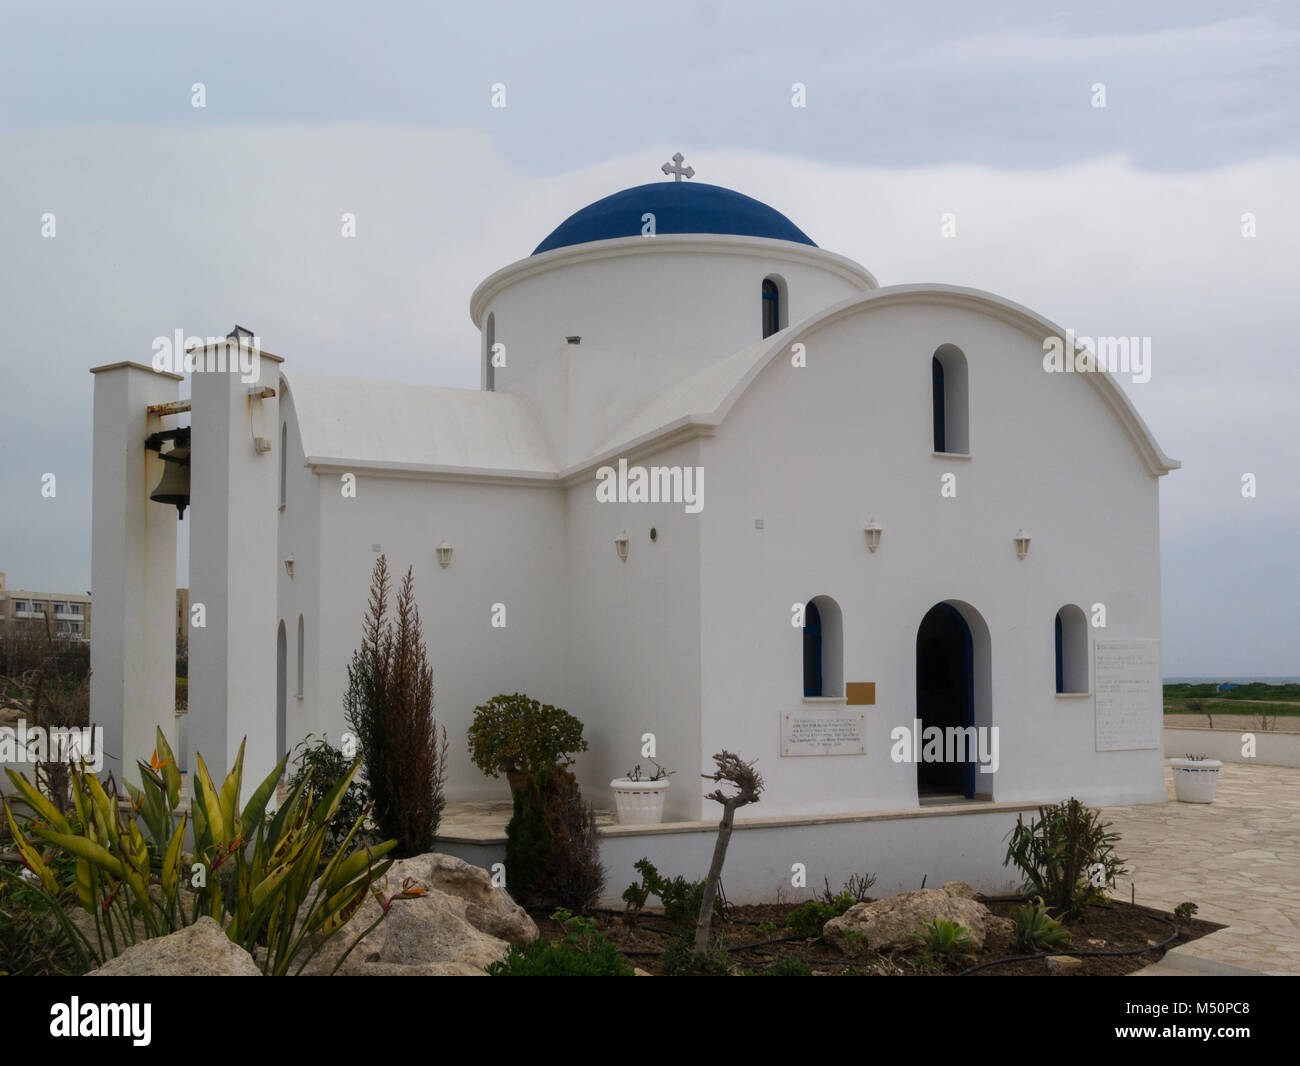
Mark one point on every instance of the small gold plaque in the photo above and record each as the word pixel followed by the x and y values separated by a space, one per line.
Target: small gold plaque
pixel 858 693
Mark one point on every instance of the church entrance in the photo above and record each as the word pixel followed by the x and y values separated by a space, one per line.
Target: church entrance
pixel 945 697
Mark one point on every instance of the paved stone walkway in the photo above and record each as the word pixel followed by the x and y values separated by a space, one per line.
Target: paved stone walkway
pixel 1237 859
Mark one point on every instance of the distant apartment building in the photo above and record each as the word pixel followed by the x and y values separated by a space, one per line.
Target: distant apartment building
pixel 66 613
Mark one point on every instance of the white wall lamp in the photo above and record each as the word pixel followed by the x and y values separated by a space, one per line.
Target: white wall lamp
pixel 288 567
pixel 1022 544
pixel 444 554
pixel 873 531
pixel 620 545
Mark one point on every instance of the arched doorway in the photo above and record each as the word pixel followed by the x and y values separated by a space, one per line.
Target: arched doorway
pixel 945 699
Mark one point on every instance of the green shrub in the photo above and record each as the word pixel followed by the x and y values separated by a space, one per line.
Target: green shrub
pixel 807 921
pixel 681 898
pixel 323 766
pixel 516 734
pixel 1066 856
pixel 573 876
pixel 1037 930
pixel 944 941
pixel 680 959
pixel 582 953
pixel 31 943
pixel 788 966
pixel 552 850
pixel 261 880
pixel 389 706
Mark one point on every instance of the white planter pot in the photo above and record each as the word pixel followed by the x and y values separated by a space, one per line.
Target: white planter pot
pixel 1194 781
pixel 639 802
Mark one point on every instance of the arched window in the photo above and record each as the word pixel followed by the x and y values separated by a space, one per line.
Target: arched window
pixel 823 656
pixel 1071 634
pixel 284 462
pixel 949 397
pixel 301 646
pixel 812 651
pixel 775 316
pixel 281 683
pixel 489 342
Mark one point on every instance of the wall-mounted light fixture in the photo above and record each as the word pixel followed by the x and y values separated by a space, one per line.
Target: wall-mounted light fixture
pixel 288 567
pixel 444 554
pixel 1022 544
pixel 620 545
pixel 873 531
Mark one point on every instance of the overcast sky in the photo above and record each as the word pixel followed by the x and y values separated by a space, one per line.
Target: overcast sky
pixel 1122 220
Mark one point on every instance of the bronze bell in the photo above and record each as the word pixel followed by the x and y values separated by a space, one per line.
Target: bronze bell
pixel 175 484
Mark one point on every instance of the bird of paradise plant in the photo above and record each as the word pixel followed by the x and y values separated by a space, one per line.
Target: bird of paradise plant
pixel 266 881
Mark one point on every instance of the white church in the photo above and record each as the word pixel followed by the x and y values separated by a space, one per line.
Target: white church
pixel 716 485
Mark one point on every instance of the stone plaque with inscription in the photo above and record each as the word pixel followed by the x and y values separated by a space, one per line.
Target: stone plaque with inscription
pixel 823 731
pixel 1129 694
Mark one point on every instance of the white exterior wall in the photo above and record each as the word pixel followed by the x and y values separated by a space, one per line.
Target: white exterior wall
pixel 508 547
pixel 133 571
pixel 686 301
pixel 633 656
pixel 233 544
pixel 818 451
pixel 299 535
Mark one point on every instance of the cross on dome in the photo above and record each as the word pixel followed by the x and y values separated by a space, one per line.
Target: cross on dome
pixel 676 169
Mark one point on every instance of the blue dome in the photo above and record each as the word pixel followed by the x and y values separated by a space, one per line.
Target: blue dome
pixel 678 207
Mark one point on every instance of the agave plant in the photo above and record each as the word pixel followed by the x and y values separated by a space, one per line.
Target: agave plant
pixel 1037 930
pixel 268 883
pixel 945 941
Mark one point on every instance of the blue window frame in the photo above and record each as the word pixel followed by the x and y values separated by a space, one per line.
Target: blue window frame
pixel 1060 656
pixel 812 651
pixel 940 416
pixel 771 308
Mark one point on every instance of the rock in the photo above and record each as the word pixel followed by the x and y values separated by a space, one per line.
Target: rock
pixel 1064 965
pixel 198 950
pixel 458 927
pixel 888 924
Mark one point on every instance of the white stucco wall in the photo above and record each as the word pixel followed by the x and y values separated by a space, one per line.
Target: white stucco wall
pixel 818 451
pixel 632 662
pixel 685 300
pixel 508 547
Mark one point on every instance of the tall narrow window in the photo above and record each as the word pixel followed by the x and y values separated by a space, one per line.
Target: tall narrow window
pixel 949 397
pixel 1071 634
pixel 301 649
pixel 940 419
pixel 281 684
pixel 823 648
pixel 284 461
pixel 489 342
pixel 771 308
pixel 812 651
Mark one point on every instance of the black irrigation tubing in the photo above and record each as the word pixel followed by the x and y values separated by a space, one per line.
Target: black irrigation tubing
pixel 738 947
pixel 1082 954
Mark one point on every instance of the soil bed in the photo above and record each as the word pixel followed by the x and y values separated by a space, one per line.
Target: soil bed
pixel 1111 926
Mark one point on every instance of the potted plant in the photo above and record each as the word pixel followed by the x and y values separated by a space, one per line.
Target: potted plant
pixel 639 798
pixel 515 735
pixel 1195 777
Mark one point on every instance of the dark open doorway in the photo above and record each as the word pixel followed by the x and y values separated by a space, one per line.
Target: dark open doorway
pixel 945 696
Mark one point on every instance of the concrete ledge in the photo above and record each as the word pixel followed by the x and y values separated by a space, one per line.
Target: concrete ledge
pixel 496 834
pixel 1271 749
pixel 792 858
